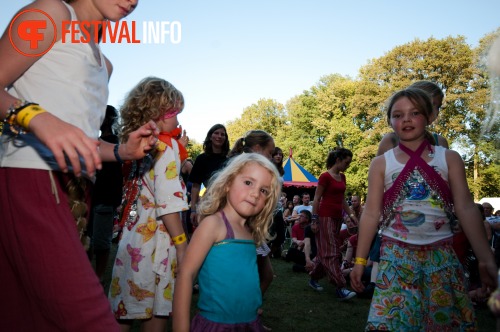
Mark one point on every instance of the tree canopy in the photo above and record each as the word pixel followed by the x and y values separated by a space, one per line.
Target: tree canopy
pixel 347 112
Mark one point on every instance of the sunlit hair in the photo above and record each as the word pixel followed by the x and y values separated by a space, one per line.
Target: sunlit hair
pixel 149 100
pixel 337 154
pixel 215 198
pixel 207 143
pixel 251 139
pixel 420 99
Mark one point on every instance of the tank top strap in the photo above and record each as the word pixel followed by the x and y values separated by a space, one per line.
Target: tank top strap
pixel 229 229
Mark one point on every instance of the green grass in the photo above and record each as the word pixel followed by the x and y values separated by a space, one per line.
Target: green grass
pixel 291 305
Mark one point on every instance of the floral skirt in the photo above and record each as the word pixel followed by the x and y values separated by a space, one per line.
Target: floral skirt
pixel 420 288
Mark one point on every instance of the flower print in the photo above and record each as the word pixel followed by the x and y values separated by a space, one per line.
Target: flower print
pixel 389 306
pixel 441 297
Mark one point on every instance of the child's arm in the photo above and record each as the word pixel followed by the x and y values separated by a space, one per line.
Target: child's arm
pixel 211 230
pixel 307 253
pixel 470 219
pixel 368 224
pixel 173 223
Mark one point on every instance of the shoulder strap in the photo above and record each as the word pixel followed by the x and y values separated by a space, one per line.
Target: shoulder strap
pixel 429 174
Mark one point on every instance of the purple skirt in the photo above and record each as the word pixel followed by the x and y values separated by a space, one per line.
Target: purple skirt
pixel 201 324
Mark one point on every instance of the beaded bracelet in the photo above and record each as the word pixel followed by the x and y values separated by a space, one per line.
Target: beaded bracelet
pixel 360 261
pixel 179 239
pixel 12 116
pixel 117 155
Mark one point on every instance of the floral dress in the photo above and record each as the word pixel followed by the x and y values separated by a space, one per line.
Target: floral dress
pixel 144 270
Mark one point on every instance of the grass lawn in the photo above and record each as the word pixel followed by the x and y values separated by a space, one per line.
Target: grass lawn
pixel 291 305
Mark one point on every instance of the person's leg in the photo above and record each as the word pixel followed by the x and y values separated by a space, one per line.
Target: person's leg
pixel 155 324
pixel 55 287
pixel 266 272
pixel 102 236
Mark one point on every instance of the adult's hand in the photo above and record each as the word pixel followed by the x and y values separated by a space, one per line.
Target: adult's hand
pixel 66 140
pixel 140 142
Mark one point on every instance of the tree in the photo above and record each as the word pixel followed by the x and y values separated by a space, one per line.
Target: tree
pixel 266 114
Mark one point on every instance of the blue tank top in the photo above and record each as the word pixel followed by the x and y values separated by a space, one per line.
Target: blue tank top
pixel 229 281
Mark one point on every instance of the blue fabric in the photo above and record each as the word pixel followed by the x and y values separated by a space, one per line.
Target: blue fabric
pixel 229 283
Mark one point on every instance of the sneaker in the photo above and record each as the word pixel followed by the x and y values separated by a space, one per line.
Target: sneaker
pixel 314 285
pixel 345 294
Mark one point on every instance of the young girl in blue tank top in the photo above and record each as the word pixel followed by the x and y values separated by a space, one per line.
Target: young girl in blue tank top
pixel 235 214
pixel 415 187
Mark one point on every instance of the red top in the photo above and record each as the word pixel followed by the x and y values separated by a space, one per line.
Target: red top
pixel 331 204
pixel 298 231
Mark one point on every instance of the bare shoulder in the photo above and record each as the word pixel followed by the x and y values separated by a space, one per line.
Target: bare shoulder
pixel 378 164
pixel 453 158
pixel 213 226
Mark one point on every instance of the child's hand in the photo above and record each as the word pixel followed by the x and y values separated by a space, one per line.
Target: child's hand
pixel 66 140
pixel 488 272
pixel 184 139
pixel 355 276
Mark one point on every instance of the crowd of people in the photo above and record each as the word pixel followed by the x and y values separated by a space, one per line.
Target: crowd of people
pixel 419 246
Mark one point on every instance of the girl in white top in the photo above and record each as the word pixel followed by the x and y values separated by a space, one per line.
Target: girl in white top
pixel 58 93
pixel 415 187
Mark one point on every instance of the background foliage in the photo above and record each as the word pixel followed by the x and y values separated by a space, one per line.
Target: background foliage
pixel 343 111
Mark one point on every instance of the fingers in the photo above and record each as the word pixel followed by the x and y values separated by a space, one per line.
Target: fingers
pixel 67 143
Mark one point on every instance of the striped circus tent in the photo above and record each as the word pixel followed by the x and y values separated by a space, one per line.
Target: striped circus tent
pixel 296 175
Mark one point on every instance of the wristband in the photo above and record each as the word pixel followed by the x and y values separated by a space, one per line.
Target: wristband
pixel 179 239
pixel 360 261
pixel 26 113
pixel 117 155
pixel 193 211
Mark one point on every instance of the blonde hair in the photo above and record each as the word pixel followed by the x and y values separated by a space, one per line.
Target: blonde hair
pixel 149 100
pixel 215 198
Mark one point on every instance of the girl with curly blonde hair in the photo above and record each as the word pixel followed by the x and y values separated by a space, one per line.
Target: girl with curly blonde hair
pixel 153 240
pixel 235 212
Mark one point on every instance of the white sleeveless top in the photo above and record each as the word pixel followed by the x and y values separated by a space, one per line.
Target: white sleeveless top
pixel 421 218
pixel 68 82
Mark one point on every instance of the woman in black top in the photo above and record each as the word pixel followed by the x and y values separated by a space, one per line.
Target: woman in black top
pixel 216 148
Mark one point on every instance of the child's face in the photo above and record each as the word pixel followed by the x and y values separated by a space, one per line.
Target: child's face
pixel 437 102
pixel 266 151
pixel 167 123
pixel 407 121
pixel 248 193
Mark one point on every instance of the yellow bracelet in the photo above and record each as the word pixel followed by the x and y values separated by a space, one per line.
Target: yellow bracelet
pixel 360 261
pixel 25 115
pixel 179 239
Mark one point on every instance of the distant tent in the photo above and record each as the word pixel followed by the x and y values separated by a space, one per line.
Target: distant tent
pixel 296 175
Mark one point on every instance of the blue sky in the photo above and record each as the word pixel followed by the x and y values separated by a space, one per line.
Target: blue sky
pixel 233 53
